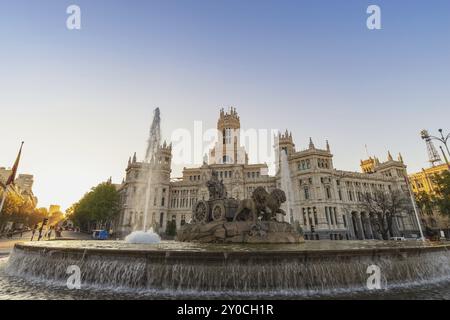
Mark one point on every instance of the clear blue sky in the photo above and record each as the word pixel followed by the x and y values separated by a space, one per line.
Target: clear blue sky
pixel 83 100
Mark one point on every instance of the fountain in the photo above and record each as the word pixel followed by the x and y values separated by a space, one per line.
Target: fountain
pixel 196 269
pixel 231 249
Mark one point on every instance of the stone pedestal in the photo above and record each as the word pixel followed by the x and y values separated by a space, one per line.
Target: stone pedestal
pixel 240 232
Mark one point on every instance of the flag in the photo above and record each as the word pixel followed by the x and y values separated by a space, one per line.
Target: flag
pixel 12 177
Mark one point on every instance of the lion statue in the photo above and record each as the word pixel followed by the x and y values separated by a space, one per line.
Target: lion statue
pixel 262 204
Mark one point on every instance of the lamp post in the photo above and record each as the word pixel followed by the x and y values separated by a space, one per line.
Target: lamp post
pixel 443 139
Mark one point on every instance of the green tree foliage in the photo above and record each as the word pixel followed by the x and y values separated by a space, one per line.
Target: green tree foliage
pixel 99 207
pixel 442 198
pixel 19 210
pixel 425 203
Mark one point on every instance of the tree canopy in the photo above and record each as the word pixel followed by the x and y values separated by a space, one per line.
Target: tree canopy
pixel 442 198
pixel 97 207
pixel 19 209
pixel 384 207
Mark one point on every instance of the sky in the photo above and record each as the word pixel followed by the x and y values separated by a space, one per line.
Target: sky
pixel 83 100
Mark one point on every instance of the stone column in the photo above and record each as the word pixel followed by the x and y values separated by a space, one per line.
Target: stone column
pixel 369 225
pixel 361 228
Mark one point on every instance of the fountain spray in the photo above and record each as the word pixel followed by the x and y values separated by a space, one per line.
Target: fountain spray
pixel 286 183
pixel 143 236
pixel 150 158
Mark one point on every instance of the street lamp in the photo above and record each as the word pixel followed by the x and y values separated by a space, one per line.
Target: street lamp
pixel 433 153
pixel 442 139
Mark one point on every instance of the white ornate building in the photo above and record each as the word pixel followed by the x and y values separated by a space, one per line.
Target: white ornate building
pixel 325 201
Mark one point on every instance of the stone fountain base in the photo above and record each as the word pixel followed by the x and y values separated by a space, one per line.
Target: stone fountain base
pixel 239 232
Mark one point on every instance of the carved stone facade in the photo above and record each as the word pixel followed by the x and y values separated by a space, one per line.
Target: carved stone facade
pixel 326 202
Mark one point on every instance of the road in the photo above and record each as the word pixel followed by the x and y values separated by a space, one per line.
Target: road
pixel 6 245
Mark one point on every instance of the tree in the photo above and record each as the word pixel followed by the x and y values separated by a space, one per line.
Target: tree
pixel 425 203
pixel 384 206
pixel 442 198
pixel 11 208
pixel 99 207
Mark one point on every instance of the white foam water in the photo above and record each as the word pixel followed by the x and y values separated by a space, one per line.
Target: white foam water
pixel 143 237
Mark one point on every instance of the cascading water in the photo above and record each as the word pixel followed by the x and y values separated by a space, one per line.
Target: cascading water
pixel 249 270
pixel 286 184
pixel 153 143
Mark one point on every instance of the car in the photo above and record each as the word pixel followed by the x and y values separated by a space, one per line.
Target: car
pixel 100 235
pixel 397 238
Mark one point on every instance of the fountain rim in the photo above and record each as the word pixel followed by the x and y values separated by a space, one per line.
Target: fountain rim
pixel 223 254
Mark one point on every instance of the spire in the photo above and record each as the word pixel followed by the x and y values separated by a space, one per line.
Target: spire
pixel 311 144
pixel 400 158
pixel 134 158
pixel 328 146
pixel 109 180
pixel 389 156
pixel 129 161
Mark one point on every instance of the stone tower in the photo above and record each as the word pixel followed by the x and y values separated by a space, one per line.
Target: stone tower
pixel 284 142
pixel 158 206
pixel 228 149
pixel 134 192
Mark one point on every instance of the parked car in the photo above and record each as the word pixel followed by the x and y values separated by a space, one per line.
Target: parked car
pixel 100 235
pixel 398 238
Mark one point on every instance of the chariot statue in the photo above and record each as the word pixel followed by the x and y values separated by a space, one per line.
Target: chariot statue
pixel 262 206
pixel 224 219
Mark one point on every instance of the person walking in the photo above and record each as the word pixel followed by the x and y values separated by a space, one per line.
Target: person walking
pixel 33 231
pixel 49 233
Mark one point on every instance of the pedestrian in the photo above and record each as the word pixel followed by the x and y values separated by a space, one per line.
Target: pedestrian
pixel 33 231
pixel 49 233
pixel 58 232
